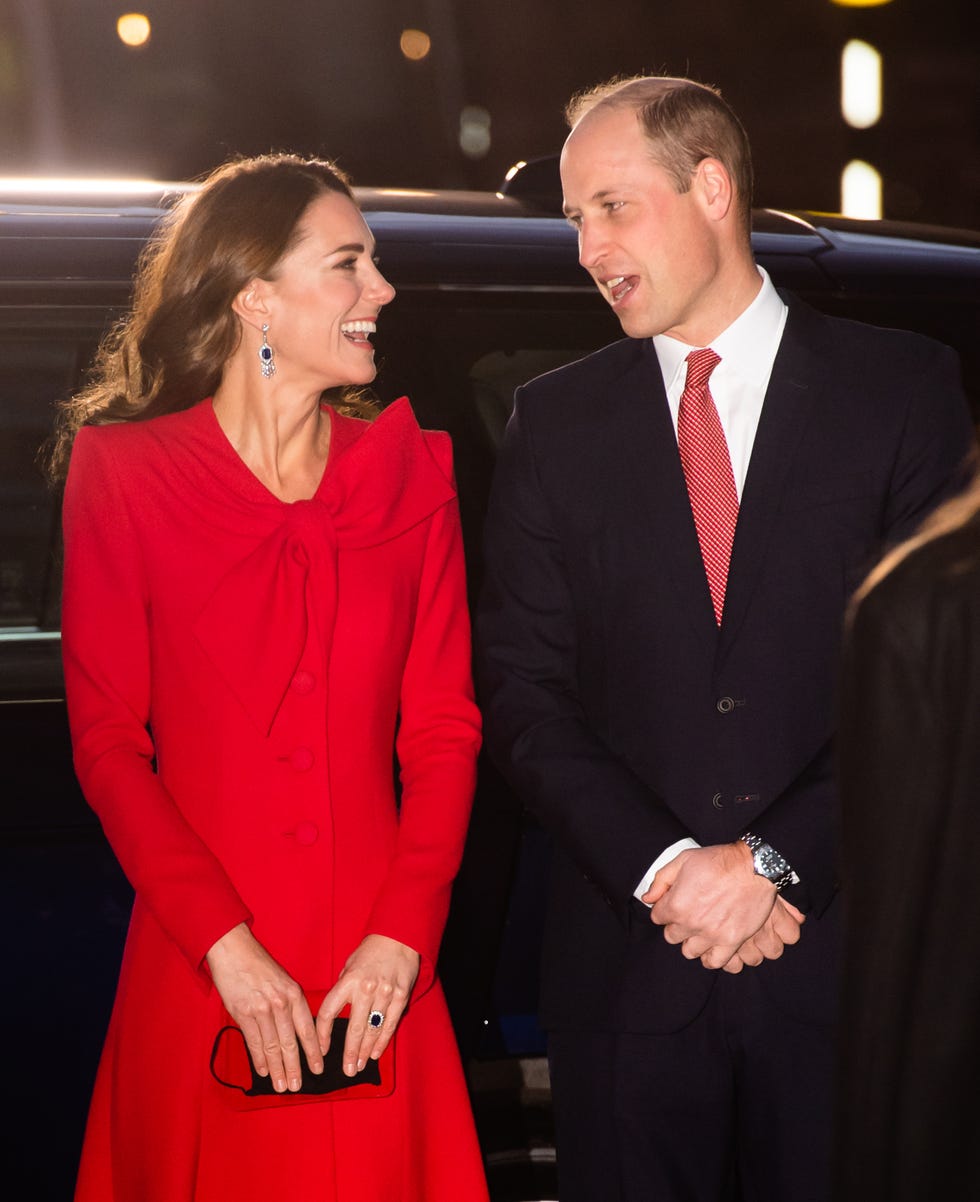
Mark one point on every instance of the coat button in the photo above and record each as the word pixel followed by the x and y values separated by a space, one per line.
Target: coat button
pixel 307 834
pixel 725 705
pixel 298 551
pixel 717 802
pixel 302 759
pixel 303 682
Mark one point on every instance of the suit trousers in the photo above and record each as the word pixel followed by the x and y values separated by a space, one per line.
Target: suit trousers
pixel 734 1107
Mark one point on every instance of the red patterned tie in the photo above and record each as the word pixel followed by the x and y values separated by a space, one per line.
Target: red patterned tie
pixel 708 471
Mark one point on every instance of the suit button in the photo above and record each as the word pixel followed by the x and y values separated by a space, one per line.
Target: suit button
pixel 725 705
pixel 717 802
pixel 307 833
pixel 302 759
pixel 303 682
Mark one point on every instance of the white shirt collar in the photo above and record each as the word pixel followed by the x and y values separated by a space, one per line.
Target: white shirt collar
pixel 747 347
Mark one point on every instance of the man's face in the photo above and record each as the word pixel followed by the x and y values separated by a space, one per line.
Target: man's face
pixel 652 251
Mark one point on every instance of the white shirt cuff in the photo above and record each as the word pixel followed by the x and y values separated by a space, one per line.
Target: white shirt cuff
pixel 665 857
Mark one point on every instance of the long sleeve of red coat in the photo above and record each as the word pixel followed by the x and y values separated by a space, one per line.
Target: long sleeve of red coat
pixel 106 650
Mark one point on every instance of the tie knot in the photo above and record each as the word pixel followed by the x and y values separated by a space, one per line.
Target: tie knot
pixel 700 365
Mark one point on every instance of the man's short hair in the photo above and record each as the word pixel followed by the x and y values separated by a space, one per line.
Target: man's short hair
pixel 684 122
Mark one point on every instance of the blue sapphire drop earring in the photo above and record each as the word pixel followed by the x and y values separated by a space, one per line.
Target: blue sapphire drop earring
pixel 267 355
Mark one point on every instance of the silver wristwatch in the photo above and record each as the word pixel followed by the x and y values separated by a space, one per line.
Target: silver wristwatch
pixel 767 862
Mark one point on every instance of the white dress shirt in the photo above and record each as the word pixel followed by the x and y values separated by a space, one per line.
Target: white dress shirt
pixel 747 349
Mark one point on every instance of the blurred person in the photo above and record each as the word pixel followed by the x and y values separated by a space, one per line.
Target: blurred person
pixel 264 598
pixel 908 1102
pixel 675 525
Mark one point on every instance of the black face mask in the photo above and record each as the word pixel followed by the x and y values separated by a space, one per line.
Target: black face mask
pixel 331 1079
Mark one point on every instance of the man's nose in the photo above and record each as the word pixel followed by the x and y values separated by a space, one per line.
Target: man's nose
pixel 591 246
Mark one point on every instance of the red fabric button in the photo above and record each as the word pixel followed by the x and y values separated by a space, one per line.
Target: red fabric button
pixel 304 682
pixel 307 833
pixel 302 759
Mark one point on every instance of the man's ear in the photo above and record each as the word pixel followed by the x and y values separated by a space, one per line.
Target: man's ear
pixel 251 304
pixel 714 188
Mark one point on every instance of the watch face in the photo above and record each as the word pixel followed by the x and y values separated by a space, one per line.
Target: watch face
pixel 770 863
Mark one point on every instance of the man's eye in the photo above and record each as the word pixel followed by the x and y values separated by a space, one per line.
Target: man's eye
pixel 347 264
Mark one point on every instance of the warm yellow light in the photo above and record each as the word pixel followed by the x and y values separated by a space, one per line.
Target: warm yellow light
pixel 404 192
pixel 860 191
pixel 860 3
pixel 518 166
pixel 133 29
pixel 860 84
pixel 415 44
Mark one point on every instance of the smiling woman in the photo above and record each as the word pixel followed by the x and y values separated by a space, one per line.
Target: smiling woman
pixel 309 321
pixel 259 592
pixel 215 248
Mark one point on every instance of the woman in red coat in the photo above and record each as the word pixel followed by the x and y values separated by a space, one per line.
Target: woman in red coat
pixel 264 599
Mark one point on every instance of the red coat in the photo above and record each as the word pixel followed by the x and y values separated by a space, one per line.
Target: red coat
pixel 239 671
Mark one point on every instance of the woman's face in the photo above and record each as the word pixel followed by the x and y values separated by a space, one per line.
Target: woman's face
pixel 325 297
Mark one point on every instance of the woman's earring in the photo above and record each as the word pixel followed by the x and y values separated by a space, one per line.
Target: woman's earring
pixel 267 355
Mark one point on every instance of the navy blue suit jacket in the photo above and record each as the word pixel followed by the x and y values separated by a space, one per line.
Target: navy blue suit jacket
pixel 625 718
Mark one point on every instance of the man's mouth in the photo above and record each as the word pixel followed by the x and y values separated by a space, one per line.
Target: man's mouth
pixel 358 331
pixel 620 286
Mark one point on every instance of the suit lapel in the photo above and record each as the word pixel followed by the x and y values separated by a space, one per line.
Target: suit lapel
pixel 795 386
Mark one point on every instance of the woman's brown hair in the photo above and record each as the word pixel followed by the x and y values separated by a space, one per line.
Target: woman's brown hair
pixel 169 352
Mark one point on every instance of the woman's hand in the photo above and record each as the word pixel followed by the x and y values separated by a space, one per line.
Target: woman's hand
pixel 268 1005
pixel 378 977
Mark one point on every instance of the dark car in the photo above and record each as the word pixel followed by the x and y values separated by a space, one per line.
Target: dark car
pixel 489 294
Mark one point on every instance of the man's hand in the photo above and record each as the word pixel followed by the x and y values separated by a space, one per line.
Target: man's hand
pixel 711 902
pixel 781 929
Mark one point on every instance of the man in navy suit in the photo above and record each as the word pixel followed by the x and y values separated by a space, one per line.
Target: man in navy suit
pixel 675 526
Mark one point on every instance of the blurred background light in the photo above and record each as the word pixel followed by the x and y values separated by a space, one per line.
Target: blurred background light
pixel 415 44
pixel 860 92
pixel 860 191
pixel 860 3
pixel 31 185
pixel 134 29
pixel 474 131
pixel 176 106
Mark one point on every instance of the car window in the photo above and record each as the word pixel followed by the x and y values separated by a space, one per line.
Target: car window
pixel 35 373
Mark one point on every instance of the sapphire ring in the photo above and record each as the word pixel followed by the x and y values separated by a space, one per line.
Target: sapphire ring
pixel 375 1019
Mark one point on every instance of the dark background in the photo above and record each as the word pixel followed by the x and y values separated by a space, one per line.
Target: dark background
pixel 223 77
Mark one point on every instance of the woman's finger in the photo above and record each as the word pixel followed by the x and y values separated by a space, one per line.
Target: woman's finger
pixel 271 1048
pixel 369 1002
pixel 288 1046
pixel 306 1033
pixel 389 1005
pixel 256 1047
